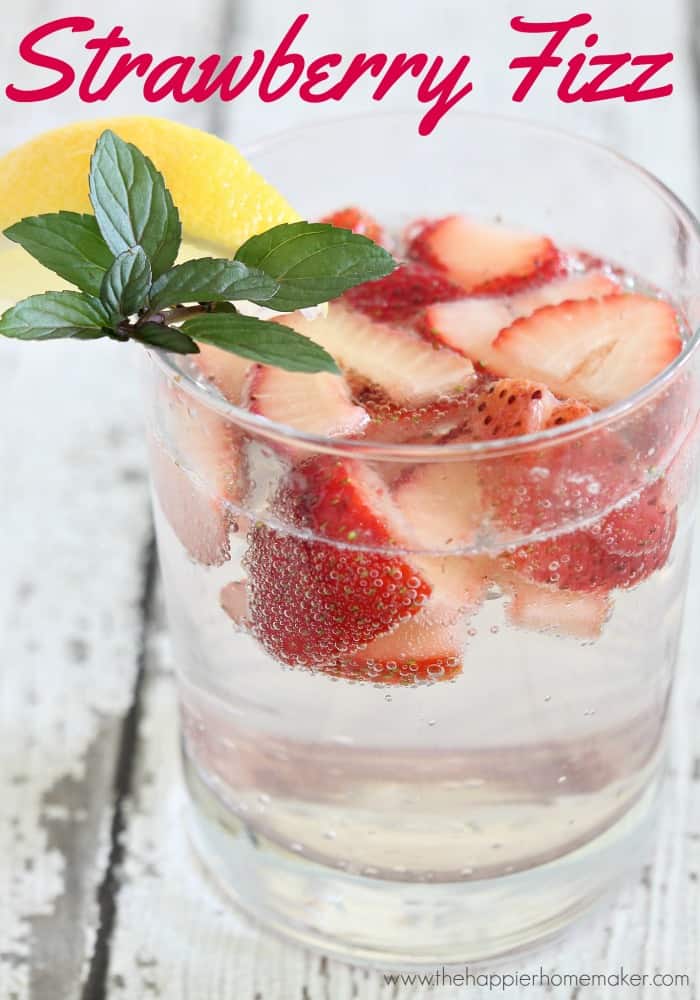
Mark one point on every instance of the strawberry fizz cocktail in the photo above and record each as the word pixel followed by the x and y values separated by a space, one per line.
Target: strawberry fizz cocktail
pixel 426 612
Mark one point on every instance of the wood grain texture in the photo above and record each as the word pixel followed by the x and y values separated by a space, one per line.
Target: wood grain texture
pixel 75 522
pixel 76 537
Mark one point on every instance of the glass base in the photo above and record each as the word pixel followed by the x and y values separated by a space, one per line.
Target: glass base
pixel 400 925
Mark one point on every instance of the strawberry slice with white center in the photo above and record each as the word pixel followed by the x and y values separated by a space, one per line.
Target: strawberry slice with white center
pixel 540 608
pixel 313 601
pixel 196 470
pixel 227 371
pixel 315 403
pixel 442 503
pixel 572 288
pixel 599 351
pixel 234 601
pixel 470 326
pixel 425 649
pixel 482 257
pixel 402 364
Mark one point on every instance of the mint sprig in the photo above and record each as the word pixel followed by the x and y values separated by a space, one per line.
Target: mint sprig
pixel 312 262
pixel 123 261
pixel 67 243
pixel 126 285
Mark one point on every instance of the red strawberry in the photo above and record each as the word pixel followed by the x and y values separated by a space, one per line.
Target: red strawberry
pixel 197 469
pixel 409 371
pixel 470 326
pixel 622 550
pixel 569 288
pixel 234 601
pixel 357 221
pixel 399 296
pixel 318 403
pixel 508 408
pixel 568 411
pixel 442 503
pixel 226 370
pixel 199 519
pixel 422 650
pixel 394 424
pixel 482 257
pixel 541 488
pixel 540 608
pixel 314 601
pixel 600 351
pixel 644 525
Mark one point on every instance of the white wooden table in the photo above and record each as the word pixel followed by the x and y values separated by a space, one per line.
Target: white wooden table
pixel 99 895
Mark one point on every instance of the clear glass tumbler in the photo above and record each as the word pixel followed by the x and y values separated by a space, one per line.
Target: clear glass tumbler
pixel 411 824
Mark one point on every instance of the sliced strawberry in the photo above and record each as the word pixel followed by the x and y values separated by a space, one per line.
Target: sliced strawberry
pixel 402 364
pixel 402 293
pixel 470 326
pixel 568 411
pixel 600 351
pixel 313 601
pixel 646 525
pixel 482 257
pixel 318 403
pixel 227 371
pixel 547 609
pixel 622 550
pixel 196 468
pixel 571 288
pixel 199 519
pixel 234 601
pixel 427 424
pixel 543 488
pixel 458 582
pixel 442 503
pixel 356 221
pixel 507 408
pixel 422 650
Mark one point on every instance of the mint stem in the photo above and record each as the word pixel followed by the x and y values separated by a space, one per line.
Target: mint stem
pixel 174 315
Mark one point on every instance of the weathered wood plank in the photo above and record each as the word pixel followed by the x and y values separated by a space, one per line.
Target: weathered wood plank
pixel 75 523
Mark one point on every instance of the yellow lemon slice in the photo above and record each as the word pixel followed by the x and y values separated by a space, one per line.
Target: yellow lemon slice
pixel 222 200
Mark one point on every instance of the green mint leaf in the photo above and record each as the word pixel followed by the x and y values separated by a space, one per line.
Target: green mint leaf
pixel 69 244
pixel 132 205
pixel 125 286
pixel 56 314
pixel 165 337
pixel 269 343
pixel 313 262
pixel 211 280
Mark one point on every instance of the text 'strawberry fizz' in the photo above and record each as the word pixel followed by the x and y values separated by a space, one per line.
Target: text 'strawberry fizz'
pixel 427 629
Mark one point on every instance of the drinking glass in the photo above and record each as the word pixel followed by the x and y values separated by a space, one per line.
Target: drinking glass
pixel 409 824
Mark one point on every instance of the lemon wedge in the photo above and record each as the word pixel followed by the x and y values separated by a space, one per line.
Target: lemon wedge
pixel 221 198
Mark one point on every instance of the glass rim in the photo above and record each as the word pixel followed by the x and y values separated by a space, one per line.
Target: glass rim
pixel 356 447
